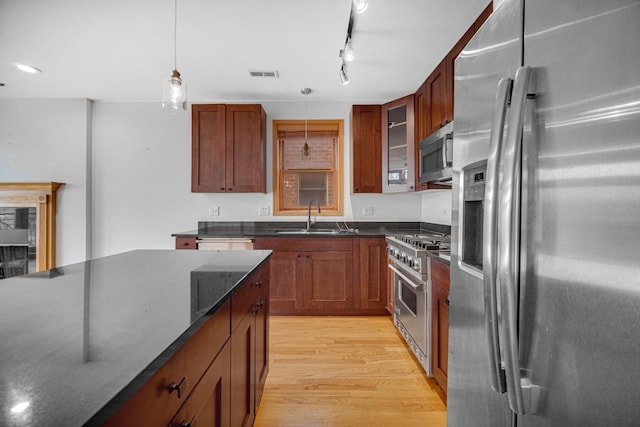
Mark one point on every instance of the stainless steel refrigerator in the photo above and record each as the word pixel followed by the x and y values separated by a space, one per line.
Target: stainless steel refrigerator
pixel 545 269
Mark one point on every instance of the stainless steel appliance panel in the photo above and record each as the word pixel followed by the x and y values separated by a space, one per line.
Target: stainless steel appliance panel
pixel 490 56
pixel 580 283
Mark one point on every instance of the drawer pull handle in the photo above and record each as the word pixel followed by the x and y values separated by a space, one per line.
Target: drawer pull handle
pixel 173 386
pixel 188 423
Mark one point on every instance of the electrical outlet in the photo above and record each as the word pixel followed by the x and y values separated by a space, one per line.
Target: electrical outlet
pixel 264 211
pixel 367 211
pixel 214 211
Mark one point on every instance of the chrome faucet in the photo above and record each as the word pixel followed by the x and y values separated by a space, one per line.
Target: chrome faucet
pixel 309 223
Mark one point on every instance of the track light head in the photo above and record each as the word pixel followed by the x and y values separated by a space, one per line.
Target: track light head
pixel 360 6
pixel 344 78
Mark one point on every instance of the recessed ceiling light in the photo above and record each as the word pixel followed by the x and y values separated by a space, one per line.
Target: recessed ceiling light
pixel 28 68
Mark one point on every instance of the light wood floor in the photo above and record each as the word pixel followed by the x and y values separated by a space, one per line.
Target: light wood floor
pixel 345 371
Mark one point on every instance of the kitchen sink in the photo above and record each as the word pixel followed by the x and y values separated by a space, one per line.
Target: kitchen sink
pixel 312 231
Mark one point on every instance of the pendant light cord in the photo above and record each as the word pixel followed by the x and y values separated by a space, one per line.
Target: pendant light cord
pixel 175 34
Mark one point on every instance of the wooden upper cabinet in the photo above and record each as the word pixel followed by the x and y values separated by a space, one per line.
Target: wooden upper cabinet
pixel 367 148
pixel 440 104
pixel 398 153
pixel 228 148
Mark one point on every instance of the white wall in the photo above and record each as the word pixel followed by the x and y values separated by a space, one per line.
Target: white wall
pixel 47 140
pixel 142 178
pixel 436 207
pixel 136 190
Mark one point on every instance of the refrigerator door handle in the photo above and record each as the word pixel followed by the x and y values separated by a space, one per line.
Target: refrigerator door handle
pixel 490 236
pixel 509 238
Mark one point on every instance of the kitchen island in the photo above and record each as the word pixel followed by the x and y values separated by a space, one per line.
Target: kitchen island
pixel 79 341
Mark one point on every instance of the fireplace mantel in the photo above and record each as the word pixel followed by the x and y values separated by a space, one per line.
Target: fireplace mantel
pixel 42 196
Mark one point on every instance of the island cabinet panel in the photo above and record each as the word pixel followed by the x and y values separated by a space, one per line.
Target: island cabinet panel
pixel 166 391
pixel 366 141
pixel 228 148
pixel 210 402
pixel 249 346
pixel 440 322
pixel 326 275
pixel 372 272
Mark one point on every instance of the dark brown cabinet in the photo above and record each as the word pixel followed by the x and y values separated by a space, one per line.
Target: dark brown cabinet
pixel 249 346
pixel 216 378
pixel 326 275
pixel 439 101
pixel 182 377
pixel 367 149
pixel 398 151
pixel 186 243
pixel 210 401
pixel 440 322
pixel 434 99
pixel 228 148
pixel 372 260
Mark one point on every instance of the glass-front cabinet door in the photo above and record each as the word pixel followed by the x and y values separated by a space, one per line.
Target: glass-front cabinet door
pixel 398 146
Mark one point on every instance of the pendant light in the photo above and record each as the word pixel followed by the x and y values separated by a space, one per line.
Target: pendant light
pixel 305 148
pixel 174 90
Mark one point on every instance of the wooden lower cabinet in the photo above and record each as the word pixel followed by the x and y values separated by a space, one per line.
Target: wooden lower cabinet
pixel 440 322
pixel 186 243
pixel 372 260
pixel 326 275
pixel 249 347
pixel 328 280
pixel 210 402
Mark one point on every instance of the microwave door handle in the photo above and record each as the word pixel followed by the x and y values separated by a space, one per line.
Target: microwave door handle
pixel 509 238
pixel 447 149
pixel 490 236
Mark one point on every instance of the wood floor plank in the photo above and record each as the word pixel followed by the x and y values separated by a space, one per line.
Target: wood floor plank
pixel 345 371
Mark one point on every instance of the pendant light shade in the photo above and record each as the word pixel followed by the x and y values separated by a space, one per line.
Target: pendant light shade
pixel 174 90
pixel 174 94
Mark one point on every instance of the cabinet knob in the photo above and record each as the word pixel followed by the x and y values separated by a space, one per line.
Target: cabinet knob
pixel 447 300
pixel 221 188
pixel 229 189
pixel 259 284
pixel 173 386
pixel 357 190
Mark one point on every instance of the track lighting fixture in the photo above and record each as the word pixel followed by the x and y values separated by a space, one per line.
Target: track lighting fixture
pixel 343 74
pixel 174 90
pixel 360 5
pixel 347 54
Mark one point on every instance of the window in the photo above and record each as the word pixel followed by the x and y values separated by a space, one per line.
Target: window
pixel 307 166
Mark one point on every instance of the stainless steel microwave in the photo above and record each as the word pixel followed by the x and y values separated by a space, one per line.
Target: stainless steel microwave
pixel 436 155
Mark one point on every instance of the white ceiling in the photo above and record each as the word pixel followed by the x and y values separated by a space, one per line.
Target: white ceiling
pixel 121 50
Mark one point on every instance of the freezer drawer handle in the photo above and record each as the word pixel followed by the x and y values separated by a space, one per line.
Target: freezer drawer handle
pixel 509 238
pixel 490 237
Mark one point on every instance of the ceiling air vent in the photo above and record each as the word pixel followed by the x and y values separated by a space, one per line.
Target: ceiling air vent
pixel 254 73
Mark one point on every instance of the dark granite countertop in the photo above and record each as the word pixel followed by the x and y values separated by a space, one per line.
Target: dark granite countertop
pixel 75 337
pixel 275 228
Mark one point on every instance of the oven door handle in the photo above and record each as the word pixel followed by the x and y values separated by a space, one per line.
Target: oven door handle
pixel 409 281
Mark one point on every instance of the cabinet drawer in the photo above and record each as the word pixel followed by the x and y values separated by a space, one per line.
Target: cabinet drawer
pixel 154 403
pixel 244 300
pixel 305 244
pixel 440 274
pixel 186 243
